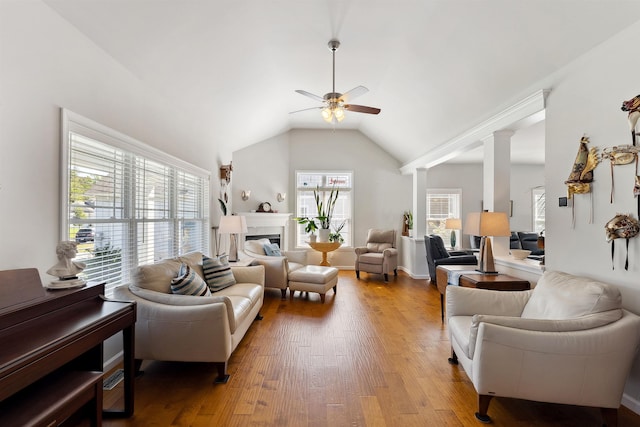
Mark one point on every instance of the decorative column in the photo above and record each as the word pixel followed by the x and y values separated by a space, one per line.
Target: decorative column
pixel 496 195
pixel 419 203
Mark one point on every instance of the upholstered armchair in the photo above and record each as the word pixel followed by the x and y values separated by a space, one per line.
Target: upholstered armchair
pixel 567 341
pixel 380 255
pixel 437 255
pixel 276 267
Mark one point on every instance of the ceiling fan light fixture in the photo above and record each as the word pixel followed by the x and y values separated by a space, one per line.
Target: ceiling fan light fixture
pixel 327 114
pixel 338 112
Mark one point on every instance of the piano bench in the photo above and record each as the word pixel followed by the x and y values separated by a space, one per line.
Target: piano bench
pixel 54 399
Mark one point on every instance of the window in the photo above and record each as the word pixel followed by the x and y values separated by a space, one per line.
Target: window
pixel 306 182
pixel 442 203
pixel 127 204
pixel 538 204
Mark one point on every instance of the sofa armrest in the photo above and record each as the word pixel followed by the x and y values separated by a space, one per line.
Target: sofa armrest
pixel 361 250
pixel 251 274
pixel 299 257
pixel 390 252
pixel 469 301
pixel 275 270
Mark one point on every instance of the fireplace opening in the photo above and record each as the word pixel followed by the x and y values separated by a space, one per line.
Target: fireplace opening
pixel 273 238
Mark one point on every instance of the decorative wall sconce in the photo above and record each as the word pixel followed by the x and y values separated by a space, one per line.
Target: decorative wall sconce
pixel 281 197
pixel 245 195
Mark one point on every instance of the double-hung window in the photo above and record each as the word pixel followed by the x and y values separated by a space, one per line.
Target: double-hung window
pixel 324 182
pixel 538 212
pixel 126 203
pixel 442 203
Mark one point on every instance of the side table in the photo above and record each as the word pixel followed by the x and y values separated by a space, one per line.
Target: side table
pixel 325 247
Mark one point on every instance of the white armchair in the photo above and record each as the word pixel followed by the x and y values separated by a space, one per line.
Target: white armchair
pixel 276 268
pixel 380 255
pixel 566 341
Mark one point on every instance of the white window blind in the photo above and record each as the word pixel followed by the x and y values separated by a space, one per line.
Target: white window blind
pixel 127 204
pixel 442 204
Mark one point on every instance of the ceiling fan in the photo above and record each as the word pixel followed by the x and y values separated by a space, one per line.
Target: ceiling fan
pixel 335 103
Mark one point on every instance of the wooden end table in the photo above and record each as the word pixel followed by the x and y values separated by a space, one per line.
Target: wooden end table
pixel 324 247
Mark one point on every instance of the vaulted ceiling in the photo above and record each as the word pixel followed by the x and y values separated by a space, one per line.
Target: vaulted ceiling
pixel 435 67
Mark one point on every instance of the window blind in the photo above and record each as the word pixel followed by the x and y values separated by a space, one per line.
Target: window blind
pixel 125 208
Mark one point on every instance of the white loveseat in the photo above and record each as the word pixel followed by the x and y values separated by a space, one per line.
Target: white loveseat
pixel 276 268
pixel 566 341
pixel 189 328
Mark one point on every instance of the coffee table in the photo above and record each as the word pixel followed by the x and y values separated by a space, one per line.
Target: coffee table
pixel 324 247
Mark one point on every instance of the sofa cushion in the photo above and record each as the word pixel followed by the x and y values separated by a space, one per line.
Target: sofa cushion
pixel 189 282
pixel 560 296
pixel 590 321
pixel 272 249
pixel 193 260
pixel 156 277
pixel 217 272
pixel 256 246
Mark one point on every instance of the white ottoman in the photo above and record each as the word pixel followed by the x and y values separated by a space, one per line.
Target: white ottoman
pixel 313 278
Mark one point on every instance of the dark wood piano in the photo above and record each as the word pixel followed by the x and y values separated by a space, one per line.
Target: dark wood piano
pixel 51 350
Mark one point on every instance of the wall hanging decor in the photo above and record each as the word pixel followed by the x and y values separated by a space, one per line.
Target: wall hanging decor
pixel 621 155
pixel 581 176
pixel 621 226
pixel 632 106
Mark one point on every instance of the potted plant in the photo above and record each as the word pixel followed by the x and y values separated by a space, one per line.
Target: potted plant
pixel 408 222
pixel 310 226
pixel 325 212
pixel 336 236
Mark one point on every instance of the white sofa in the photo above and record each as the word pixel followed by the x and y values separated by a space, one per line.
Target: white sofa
pixel 189 328
pixel 566 341
pixel 276 268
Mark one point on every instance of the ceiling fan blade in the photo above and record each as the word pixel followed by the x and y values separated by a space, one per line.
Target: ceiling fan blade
pixel 362 109
pixel 310 95
pixel 306 109
pixel 354 93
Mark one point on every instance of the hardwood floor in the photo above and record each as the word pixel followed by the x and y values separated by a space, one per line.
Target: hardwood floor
pixel 374 354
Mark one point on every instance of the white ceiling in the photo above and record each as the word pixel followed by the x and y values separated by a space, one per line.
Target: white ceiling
pixel 435 67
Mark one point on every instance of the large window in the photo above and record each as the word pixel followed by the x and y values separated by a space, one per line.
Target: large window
pixel 127 204
pixel 442 203
pixel 307 182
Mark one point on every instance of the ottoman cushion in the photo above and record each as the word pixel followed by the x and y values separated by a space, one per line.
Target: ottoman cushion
pixel 313 274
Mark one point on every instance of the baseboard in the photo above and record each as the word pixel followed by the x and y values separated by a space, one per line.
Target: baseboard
pixel 414 276
pixel 631 403
pixel 114 361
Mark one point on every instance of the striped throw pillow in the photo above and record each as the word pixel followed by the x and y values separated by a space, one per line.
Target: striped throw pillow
pixel 217 272
pixel 189 283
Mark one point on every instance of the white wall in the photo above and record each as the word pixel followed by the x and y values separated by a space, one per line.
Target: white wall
pixel 382 194
pixel 587 101
pixel 46 64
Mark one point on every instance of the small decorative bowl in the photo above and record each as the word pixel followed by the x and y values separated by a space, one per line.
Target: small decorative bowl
pixel 520 253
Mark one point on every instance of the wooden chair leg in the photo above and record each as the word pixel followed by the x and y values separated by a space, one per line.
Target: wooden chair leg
pixel 483 406
pixel 386 277
pixel 358 274
pixel 609 417
pixel 284 294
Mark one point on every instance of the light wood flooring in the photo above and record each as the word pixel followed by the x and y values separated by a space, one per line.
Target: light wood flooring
pixel 373 355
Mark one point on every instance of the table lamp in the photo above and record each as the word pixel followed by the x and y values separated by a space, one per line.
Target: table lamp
pixel 233 225
pixel 453 224
pixel 487 224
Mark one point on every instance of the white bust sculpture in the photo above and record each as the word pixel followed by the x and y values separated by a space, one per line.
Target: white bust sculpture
pixel 66 268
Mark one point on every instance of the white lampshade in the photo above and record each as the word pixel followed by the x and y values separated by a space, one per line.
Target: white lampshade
pixel 487 224
pixel 233 224
pixel 453 224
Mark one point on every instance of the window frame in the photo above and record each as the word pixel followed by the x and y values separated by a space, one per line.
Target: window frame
pixel 440 230
pixel 299 229
pixel 77 127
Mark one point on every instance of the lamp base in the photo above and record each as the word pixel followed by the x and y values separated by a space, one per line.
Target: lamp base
pixel 486 264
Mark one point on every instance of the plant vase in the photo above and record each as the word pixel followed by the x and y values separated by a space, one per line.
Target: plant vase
pixel 323 235
pixel 312 238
